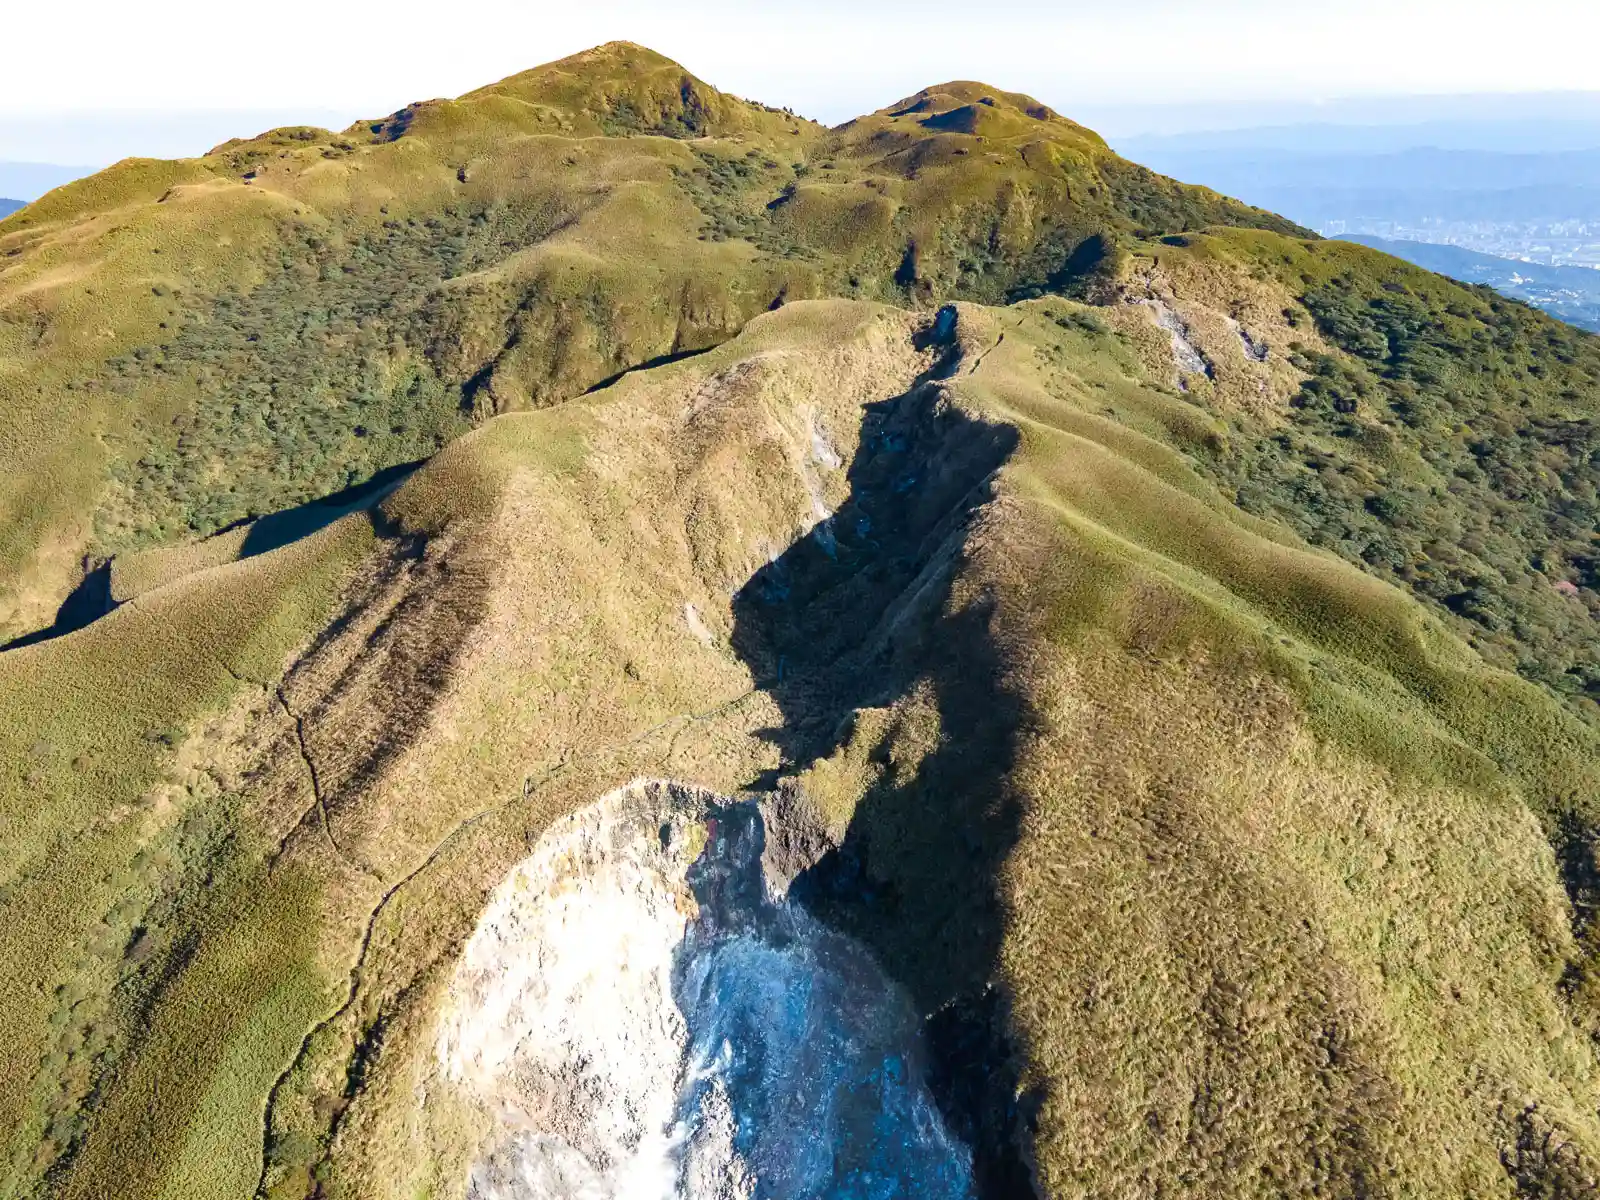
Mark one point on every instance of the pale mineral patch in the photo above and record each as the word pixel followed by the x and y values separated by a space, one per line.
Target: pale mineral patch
pixel 1186 355
pixel 697 625
pixel 642 1017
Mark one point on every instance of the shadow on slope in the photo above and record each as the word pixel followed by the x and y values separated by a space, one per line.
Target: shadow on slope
pixel 106 584
pixel 87 602
pixel 863 614
pixel 279 529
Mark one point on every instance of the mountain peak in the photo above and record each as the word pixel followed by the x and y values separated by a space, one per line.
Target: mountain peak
pixel 622 51
pixel 1040 567
pixel 969 106
pixel 969 91
pixel 622 87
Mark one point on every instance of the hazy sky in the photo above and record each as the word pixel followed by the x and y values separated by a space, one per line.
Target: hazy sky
pixel 827 58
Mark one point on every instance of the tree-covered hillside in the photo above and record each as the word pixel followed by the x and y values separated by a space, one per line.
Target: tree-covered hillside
pixel 280 319
pixel 535 567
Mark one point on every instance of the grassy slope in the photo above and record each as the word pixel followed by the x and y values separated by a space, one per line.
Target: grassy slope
pixel 1279 876
pixel 1446 440
pixel 1323 902
pixel 188 344
pixel 1276 904
pixel 114 847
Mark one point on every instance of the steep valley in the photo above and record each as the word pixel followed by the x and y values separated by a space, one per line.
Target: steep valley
pixel 650 648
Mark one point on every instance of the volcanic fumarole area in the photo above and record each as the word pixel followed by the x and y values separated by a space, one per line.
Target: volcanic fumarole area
pixel 645 1012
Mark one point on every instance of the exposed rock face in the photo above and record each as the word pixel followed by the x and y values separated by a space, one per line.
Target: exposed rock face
pixel 1186 357
pixel 645 1018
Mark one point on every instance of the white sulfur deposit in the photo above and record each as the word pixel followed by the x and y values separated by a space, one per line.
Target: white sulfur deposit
pixel 645 1020
pixel 562 1013
pixel 1185 355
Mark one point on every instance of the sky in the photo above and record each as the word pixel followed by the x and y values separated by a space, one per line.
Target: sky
pixel 101 78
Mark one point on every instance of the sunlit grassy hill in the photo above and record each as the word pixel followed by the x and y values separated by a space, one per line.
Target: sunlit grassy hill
pixel 192 343
pixel 1181 629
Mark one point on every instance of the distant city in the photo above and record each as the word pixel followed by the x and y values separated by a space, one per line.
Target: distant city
pixel 1570 243
pixel 1515 209
pixel 1551 265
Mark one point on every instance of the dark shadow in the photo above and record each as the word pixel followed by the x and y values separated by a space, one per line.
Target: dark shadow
pixel 87 602
pixel 659 360
pixel 92 599
pixel 279 529
pixel 475 386
pixel 859 614
pixel 1091 260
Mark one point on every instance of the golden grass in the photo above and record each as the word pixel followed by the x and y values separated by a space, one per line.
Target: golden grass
pixel 646 214
pixel 1281 914
pixel 105 833
pixel 1260 856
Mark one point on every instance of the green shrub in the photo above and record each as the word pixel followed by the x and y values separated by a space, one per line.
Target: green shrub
pixel 1452 447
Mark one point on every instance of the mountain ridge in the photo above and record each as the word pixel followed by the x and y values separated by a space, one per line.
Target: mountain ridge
pixel 1163 641
pixel 851 226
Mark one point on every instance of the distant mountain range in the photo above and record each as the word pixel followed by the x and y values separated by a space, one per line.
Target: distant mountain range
pixel 7 207
pixel 1353 132
pixel 1571 293
pixel 1524 221
pixel 1111 682
pixel 1402 186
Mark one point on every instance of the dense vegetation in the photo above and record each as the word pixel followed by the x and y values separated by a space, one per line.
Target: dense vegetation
pixel 1222 866
pixel 1454 448
pixel 353 340
pixel 312 381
